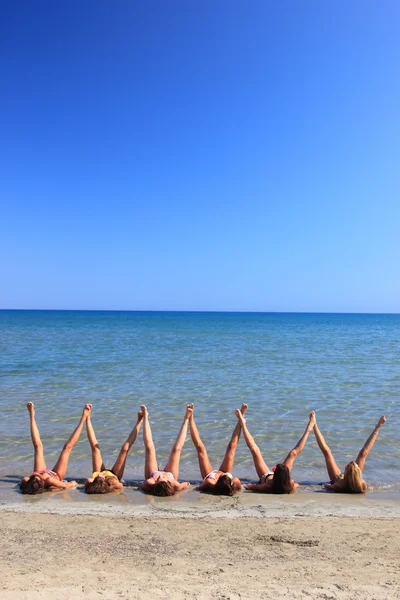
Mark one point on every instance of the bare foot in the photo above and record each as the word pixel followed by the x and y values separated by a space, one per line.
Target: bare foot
pixel 31 408
pixel 86 410
pixel 240 416
pixel 144 410
pixel 313 419
pixel 139 417
pixel 381 421
pixel 244 408
pixel 189 411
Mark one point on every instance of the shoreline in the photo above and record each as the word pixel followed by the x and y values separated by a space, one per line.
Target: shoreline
pixel 195 505
pixel 59 557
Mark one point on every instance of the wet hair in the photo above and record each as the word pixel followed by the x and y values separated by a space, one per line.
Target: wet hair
pixel 163 488
pixel 224 486
pixel 353 478
pixel 34 485
pixel 281 480
pixel 97 486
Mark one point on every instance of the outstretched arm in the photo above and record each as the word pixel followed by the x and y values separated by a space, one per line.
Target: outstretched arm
pixel 175 456
pixel 39 463
pixel 366 449
pixel 299 447
pixel 229 458
pixel 119 465
pixel 150 463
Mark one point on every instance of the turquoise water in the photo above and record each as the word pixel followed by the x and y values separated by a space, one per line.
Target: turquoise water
pixel 346 367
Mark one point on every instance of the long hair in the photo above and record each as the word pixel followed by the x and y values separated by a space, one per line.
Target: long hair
pixel 224 486
pixel 353 478
pixel 163 488
pixel 34 485
pixel 97 486
pixel 281 480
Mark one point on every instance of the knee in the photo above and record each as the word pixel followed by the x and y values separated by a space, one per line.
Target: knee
pixel 232 446
pixel 68 446
pixel 293 453
pixel 255 450
pixel 326 452
pixel 363 454
pixel 38 446
pixel 125 447
pixel 200 447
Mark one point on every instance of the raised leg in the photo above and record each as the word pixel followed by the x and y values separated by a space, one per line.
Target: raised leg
pixel 299 447
pixel 150 463
pixel 175 456
pixel 229 458
pixel 260 466
pixel 331 466
pixel 204 462
pixel 366 449
pixel 39 463
pixel 97 461
pixel 61 465
pixel 119 465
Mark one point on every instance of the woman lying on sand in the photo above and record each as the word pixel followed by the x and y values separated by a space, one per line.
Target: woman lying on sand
pixel 351 480
pixel 277 481
pixel 219 482
pixel 163 483
pixel 43 479
pixel 102 480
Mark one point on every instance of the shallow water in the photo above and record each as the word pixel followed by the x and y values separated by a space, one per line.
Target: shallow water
pixel 345 367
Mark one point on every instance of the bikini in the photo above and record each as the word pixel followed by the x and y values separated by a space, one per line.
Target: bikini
pixel 48 472
pixel 266 476
pixel 154 473
pixel 104 474
pixel 213 474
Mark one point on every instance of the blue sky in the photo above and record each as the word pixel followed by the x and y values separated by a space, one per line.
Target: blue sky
pixel 200 156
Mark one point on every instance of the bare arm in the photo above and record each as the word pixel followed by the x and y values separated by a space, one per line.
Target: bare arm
pixel 258 487
pixel 63 485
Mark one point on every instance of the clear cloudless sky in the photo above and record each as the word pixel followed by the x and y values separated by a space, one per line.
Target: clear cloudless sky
pixel 213 155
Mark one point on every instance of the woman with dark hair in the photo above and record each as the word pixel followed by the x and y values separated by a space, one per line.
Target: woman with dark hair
pixel 102 480
pixel 42 478
pixel 351 481
pixel 220 482
pixel 163 483
pixel 277 481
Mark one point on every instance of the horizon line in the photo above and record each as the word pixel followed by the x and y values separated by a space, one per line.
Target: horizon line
pixel 277 312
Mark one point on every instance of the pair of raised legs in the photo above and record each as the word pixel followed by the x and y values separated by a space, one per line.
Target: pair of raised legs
pixel 331 466
pixel 260 465
pixel 60 468
pixel 228 461
pixel 172 466
pixel 97 460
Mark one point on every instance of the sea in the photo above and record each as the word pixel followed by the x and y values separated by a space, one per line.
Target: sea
pixel 283 365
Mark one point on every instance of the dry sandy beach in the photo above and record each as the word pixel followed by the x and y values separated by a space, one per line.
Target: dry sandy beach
pixel 86 556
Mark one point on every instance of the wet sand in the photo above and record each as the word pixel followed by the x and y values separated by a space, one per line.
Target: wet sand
pixel 82 556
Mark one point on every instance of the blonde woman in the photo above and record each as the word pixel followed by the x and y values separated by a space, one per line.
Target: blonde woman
pixel 351 481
